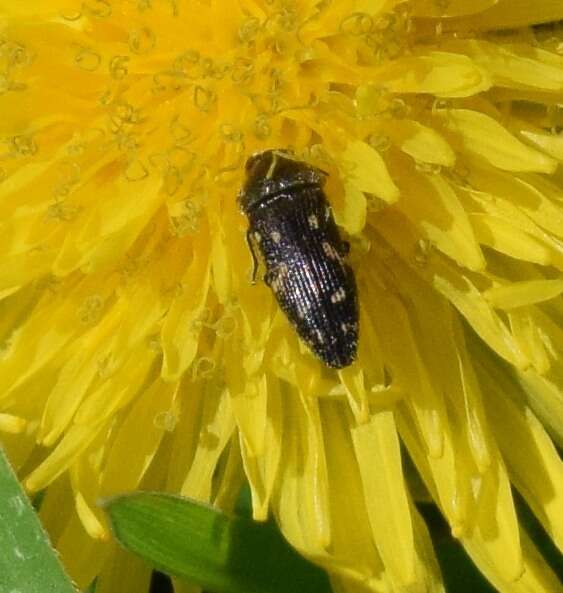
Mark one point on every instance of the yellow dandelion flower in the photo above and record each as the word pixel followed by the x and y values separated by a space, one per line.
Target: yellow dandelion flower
pixel 136 352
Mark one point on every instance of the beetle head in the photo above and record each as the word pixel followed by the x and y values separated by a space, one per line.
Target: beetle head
pixel 272 172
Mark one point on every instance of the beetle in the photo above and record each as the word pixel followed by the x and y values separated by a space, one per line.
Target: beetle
pixel 292 227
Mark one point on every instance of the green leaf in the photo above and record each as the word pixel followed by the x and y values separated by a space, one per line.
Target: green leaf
pixel 28 563
pixel 205 547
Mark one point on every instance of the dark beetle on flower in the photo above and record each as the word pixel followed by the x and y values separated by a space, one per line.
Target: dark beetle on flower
pixel 292 226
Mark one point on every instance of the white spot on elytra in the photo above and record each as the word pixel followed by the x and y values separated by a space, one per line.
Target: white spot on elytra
pixel 278 276
pixel 275 284
pixel 330 251
pixel 303 307
pixel 320 337
pixel 313 221
pixel 338 296
pixel 275 236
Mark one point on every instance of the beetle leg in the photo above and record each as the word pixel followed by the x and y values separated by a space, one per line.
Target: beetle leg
pixel 251 247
